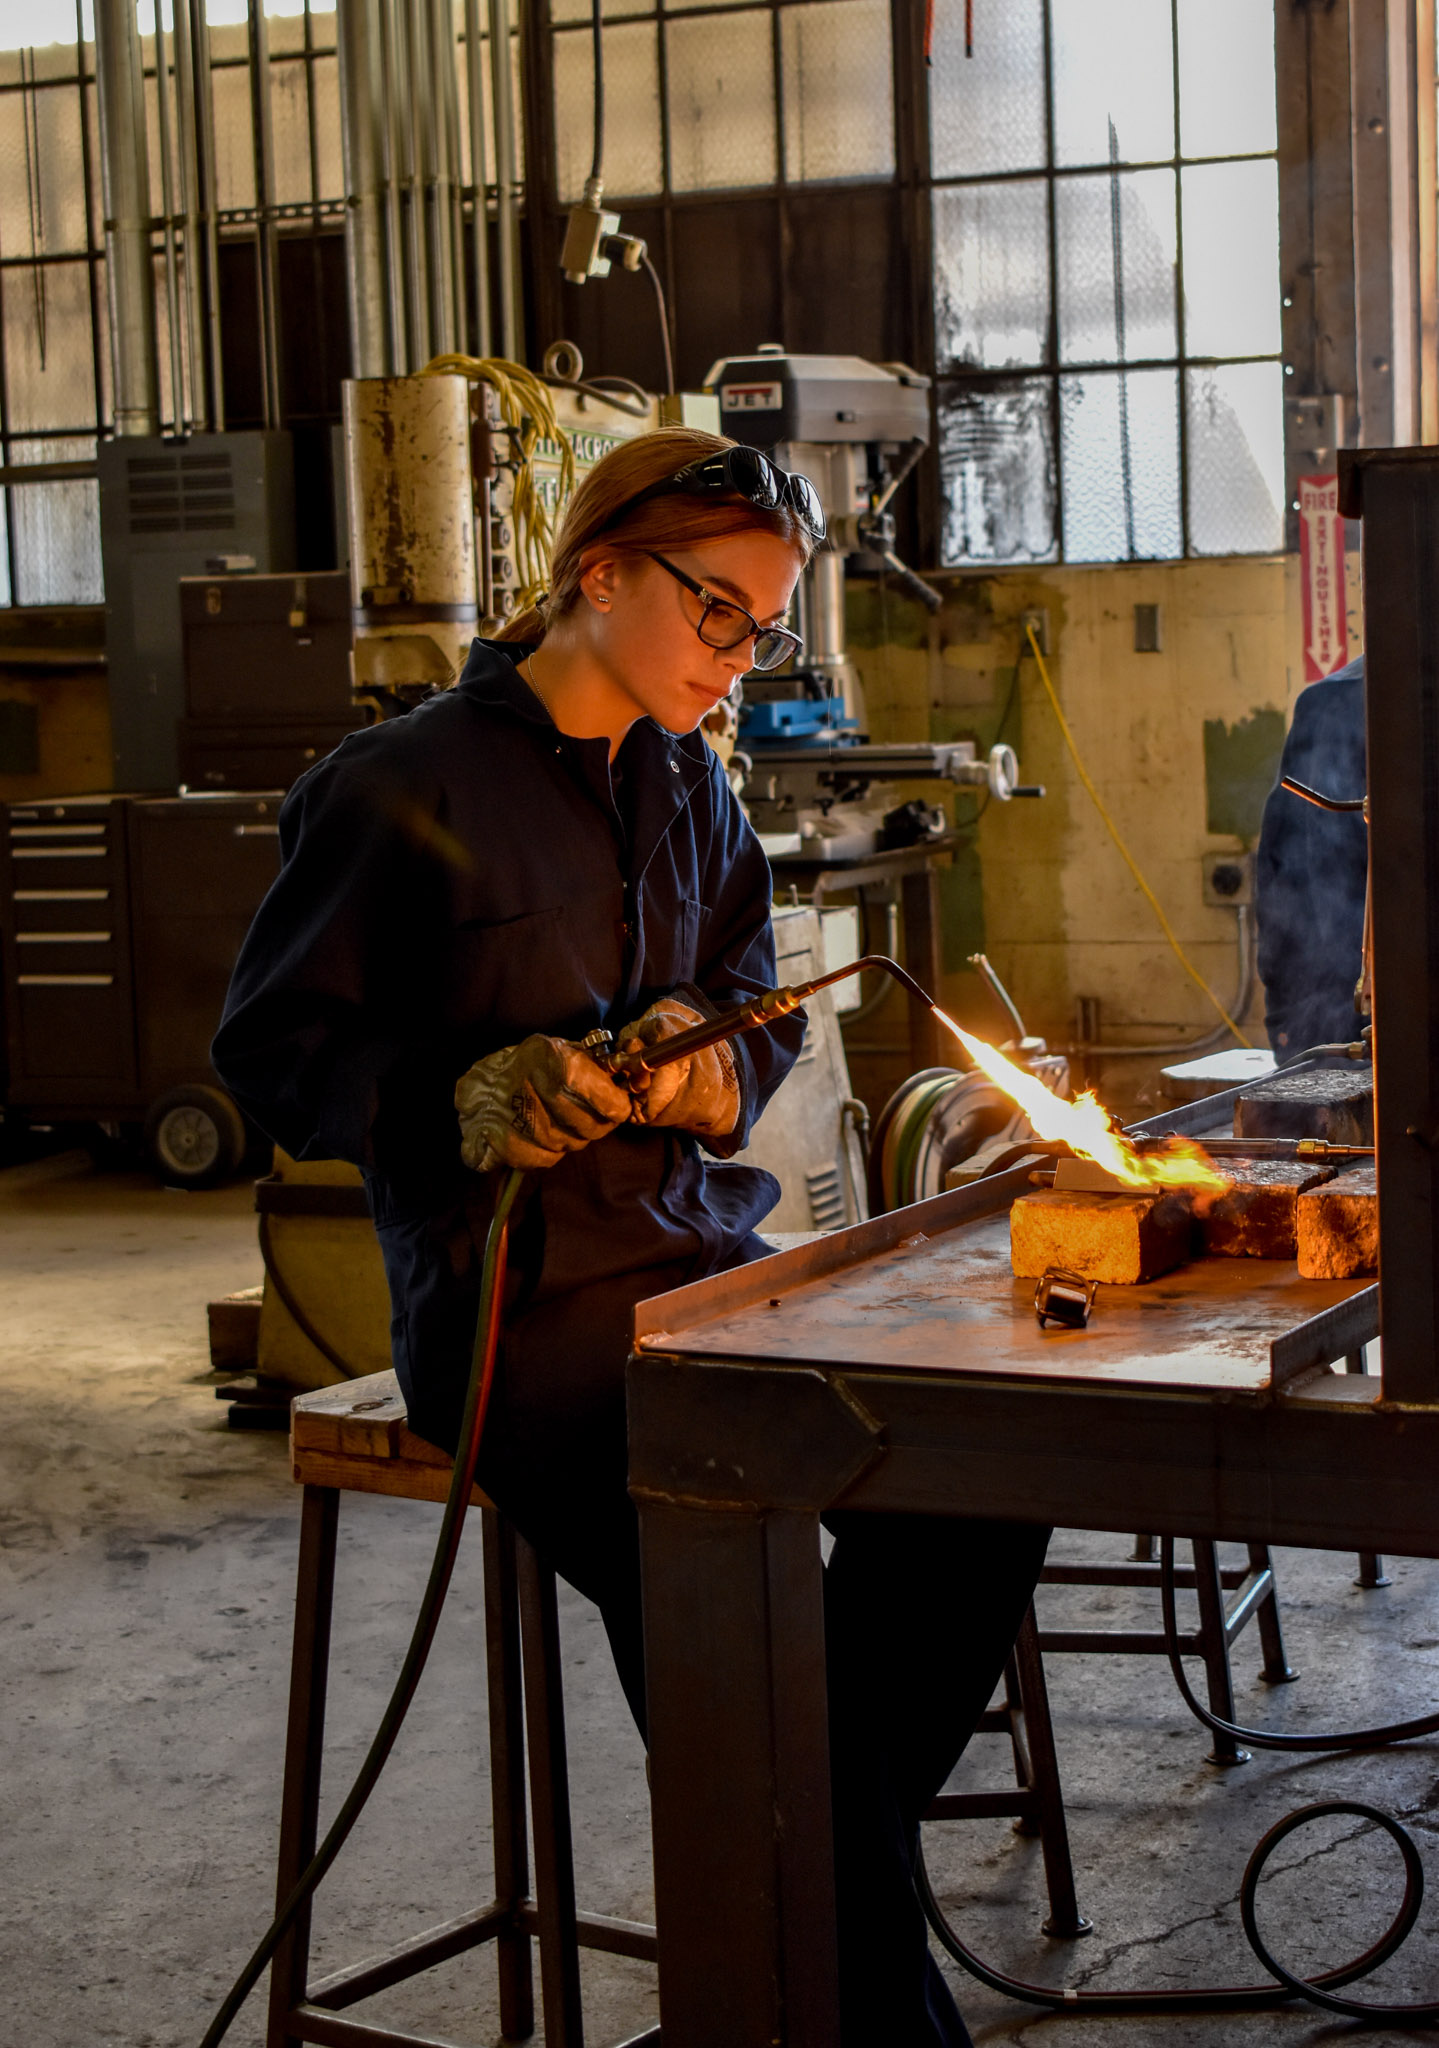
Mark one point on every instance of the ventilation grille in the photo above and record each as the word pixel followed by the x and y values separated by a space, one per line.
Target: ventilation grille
pixel 181 493
pixel 826 1197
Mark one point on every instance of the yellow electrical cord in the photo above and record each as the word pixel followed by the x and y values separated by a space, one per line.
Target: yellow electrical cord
pixel 528 409
pixel 1113 830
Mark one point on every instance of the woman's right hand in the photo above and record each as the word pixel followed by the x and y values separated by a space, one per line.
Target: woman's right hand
pixel 530 1104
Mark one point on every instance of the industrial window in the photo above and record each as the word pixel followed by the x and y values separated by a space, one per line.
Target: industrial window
pixel 706 97
pixel 1106 280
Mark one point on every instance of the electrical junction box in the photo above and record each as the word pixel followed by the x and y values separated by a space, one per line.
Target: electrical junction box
pixel 1228 880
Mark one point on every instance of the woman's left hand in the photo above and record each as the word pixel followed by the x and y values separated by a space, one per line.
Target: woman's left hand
pixel 699 1094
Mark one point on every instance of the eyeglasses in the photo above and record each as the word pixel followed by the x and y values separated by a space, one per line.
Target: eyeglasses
pixel 751 476
pixel 722 623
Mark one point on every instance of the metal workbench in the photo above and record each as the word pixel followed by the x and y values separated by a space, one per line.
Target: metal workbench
pixel 895 1367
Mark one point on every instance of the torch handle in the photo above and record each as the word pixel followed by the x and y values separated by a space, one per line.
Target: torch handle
pixel 765 1008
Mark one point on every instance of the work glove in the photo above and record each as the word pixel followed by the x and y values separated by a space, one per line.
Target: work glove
pixel 530 1104
pixel 699 1094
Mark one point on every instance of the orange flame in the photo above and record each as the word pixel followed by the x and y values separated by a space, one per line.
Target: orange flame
pixel 1087 1127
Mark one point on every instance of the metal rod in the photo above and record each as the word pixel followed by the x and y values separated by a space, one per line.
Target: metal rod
pixel 448 213
pixel 411 100
pixel 262 135
pixel 506 197
pixel 479 177
pixel 167 210
pixel 12 473
pixel 126 180
pixel 186 115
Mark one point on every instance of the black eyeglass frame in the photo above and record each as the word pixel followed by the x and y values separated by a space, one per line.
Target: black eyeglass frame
pixel 786 642
pixel 751 476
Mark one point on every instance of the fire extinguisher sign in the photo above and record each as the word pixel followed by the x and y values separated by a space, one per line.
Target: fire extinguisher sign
pixel 1321 575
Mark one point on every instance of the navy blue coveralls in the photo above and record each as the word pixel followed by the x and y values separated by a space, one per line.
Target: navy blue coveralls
pixel 1310 873
pixel 451 882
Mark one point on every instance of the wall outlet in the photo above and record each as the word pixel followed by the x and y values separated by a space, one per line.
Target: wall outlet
pixel 1228 879
pixel 1038 617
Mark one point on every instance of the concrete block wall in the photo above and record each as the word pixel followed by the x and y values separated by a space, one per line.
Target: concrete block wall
pixel 1182 744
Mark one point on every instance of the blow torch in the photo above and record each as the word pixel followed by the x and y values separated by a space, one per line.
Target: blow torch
pixel 633 1064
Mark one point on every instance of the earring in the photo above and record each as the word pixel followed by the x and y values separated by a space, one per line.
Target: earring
pixel 601 600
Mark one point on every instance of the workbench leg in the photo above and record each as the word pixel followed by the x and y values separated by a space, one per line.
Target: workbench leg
pixel 1371 1565
pixel 739 1756
pixel 1065 1919
pixel 550 1787
pixel 1214 1642
pixel 507 1773
pixel 304 1749
pixel 930 1045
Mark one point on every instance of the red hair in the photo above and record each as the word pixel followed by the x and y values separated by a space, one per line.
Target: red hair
pixel 596 521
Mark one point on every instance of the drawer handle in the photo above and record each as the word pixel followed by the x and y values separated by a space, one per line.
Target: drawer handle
pixel 57 831
pixel 65 980
pixel 257 831
pixel 63 938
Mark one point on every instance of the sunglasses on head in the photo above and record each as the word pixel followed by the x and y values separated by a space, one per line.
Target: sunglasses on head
pixel 751 476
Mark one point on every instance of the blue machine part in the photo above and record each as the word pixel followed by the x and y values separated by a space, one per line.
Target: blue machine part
pixel 788 719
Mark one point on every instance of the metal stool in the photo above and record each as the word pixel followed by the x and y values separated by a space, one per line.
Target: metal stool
pixel 1037 1803
pixel 353 1438
pixel 1256 1599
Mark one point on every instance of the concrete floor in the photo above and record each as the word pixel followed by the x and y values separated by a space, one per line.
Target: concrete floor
pixel 146 1562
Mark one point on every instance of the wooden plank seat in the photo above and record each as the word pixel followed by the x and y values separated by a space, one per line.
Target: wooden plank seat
pixel 354 1438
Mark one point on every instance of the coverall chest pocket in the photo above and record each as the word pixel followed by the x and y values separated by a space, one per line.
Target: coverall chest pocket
pixel 548 970
pixel 672 942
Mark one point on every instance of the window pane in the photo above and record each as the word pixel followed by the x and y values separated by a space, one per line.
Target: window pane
pixel 991 275
pixel 632 111
pixel 322 29
pixel 838 91
pixel 46 183
pixel 234 148
pixel 1116 231
pixel 1231 259
pixel 1119 444
pixel 1113 61
pixel 7 596
pixel 721 89
pixel 57 530
pixel 327 127
pixel 1236 459
pixel 290 129
pixel 996 462
pixel 987 111
pixel 1226 77
pixel 49 367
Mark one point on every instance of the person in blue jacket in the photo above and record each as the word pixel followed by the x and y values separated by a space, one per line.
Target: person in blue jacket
pixel 1311 873
pixel 467 892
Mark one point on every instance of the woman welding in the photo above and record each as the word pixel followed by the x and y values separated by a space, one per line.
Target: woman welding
pixel 467 892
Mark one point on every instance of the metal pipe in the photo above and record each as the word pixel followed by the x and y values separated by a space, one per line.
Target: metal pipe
pixel 209 203
pixel 479 178
pixel 125 162
pixel 167 209
pixel 410 98
pixel 186 117
pixel 445 94
pixel 362 147
pixel 391 100
pixel 435 275
pixel 506 196
pixel 263 141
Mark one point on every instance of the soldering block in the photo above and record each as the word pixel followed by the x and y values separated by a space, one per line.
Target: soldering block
pixel 1336 1103
pixel 1339 1227
pixel 1119 1239
pixel 1256 1218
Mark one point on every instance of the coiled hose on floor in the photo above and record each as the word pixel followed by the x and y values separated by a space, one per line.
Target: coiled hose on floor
pixel 472 1429
pixel 1322 1990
